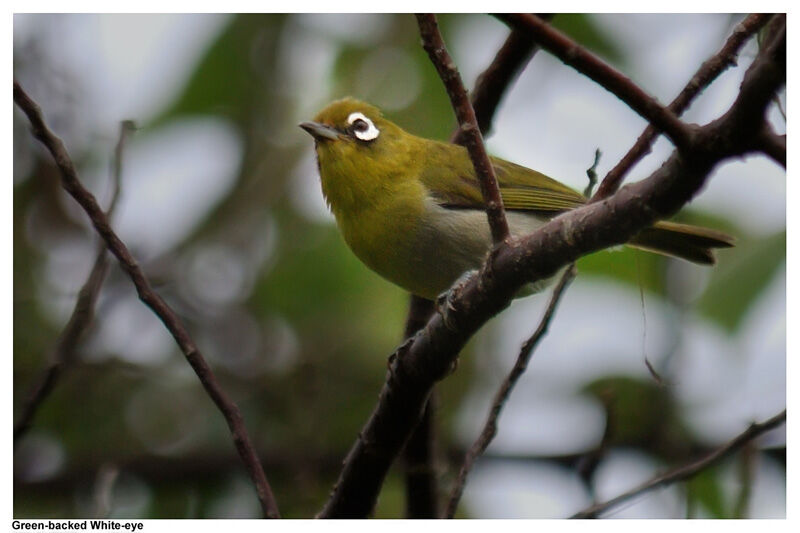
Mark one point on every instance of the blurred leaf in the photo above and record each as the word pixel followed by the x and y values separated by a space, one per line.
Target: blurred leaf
pixel 645 269
pixel 636 267
pixel 635 409
pixel 583 29
pixel 226 80
pixel 705 489
pixel 741 278
pixel 430 114
pixel 641 414
pixel 320 277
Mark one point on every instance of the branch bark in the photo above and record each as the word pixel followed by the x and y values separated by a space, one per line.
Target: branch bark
pixel 470 133
pixel 72 184
pixel 773 145
pixel 689 470
pixel 609 78
pixel 419 454
pixel 491 85
pixel 429 355
pixel 707 73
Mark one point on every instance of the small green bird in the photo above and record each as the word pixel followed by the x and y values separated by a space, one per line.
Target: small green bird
pixel 411 208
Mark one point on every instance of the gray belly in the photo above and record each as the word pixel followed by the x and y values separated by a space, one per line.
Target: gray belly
pixel 450 242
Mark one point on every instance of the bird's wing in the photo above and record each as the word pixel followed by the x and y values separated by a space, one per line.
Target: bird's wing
pixel 522 189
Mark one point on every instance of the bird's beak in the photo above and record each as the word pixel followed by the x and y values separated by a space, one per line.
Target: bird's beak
pixel 320 132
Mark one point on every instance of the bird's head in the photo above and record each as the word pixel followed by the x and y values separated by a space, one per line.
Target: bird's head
pixel 359 151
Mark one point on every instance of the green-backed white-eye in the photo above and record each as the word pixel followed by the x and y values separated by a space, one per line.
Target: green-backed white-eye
pixel 411 208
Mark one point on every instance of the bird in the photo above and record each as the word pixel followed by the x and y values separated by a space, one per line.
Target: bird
pixel 411 208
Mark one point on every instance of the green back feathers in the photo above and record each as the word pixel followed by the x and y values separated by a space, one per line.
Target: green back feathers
pixel 455 185
pixel 450 177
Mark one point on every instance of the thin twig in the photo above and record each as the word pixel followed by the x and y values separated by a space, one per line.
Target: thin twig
pixel 468 124
pixel 63 354
pixel 72 184
pixel 609 78
pixel 591 173
pixel 490 427
pixel 707 73
pixel 689 470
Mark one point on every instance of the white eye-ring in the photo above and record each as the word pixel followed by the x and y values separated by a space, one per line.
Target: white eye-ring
pixel 362 127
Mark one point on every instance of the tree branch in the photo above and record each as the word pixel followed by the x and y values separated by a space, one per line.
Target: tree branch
pixel 490 427
pixel 428 357
pixel 419 457
pixel 706 74
pixel 72 184
pixel 687 471
pixel 609 78
pixel 63 353
pixel 491 85
pixel 434 45
pixel 773 145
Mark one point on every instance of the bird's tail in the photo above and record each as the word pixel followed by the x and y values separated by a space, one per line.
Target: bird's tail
pixel 692 243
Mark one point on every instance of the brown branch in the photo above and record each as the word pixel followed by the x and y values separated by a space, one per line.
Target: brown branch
pixel 773 145
pixel 689 470
pixel 491 85
pixel 422 493
pixel 428 357
pixel 419 457
pixel 63 354
pixel 72 184
pixel 707 73
pixel 490 427
pixel 434 45
pixel 609 78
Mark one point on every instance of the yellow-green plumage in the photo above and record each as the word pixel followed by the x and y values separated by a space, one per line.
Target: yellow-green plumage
pixel 411 208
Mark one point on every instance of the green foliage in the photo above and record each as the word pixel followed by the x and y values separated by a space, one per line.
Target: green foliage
pixel 705 490
pixel 741 278
pixel 227 79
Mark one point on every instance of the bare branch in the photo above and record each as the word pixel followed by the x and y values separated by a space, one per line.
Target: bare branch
pixel 63 353
pixel 428 357
pixel 707 73
pixel 609 78
pixel 687 471
pixel 490 427
pixel 773 145
pixel 72 184
pixel 492 83
pixel 422 498
pixel 473 141
pixel 489 89
pixel 419 455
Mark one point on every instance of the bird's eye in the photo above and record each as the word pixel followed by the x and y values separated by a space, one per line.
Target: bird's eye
pixel 362 127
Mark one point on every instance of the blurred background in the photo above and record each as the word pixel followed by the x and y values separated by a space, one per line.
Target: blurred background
pixel 221 205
